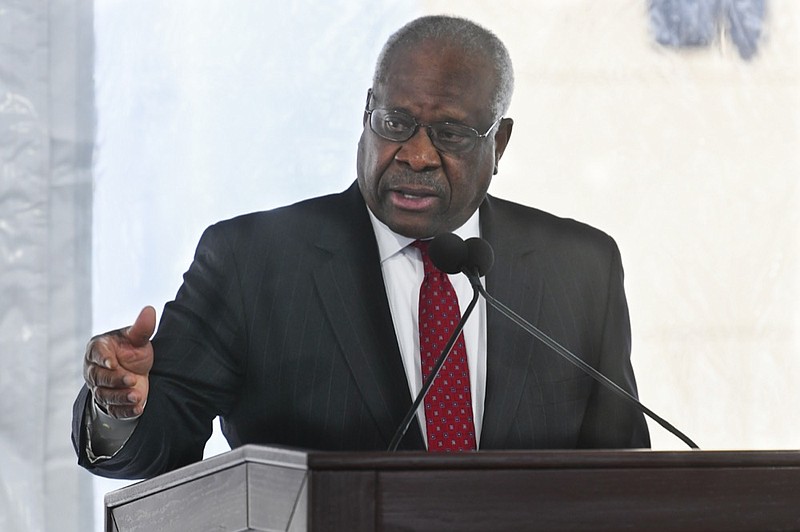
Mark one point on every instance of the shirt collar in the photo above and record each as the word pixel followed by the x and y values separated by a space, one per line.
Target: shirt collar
pixel 391 243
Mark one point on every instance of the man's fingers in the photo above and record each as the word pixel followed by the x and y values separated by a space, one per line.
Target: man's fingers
pixel 112 397
pixel 119 395
pixel 121 404
pixel 143 328
pixel 128 347
pixel 96 375
pixel 102 351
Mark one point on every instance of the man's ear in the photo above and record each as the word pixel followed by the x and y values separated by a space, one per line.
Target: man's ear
pixel 501 140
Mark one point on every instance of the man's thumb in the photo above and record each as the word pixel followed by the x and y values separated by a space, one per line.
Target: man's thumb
pixel 142 329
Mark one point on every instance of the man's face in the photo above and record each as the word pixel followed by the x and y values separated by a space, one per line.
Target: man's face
pixel 410 186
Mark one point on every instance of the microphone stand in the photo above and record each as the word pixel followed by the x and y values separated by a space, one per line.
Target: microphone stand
pixel 564 352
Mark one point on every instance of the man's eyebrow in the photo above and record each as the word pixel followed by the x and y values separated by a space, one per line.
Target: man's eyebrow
pixel 447 118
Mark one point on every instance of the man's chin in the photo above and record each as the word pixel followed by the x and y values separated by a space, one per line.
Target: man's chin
pixel 412 228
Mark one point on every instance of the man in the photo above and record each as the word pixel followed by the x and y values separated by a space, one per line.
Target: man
pixel 299 326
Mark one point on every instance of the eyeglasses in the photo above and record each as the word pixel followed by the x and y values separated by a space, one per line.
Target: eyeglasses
pixel 448 137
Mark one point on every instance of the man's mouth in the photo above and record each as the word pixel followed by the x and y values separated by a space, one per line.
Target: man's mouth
pixel 412 200
pixel 411 196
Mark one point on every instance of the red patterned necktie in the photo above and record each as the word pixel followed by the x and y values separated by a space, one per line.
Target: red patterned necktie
pixel 448 405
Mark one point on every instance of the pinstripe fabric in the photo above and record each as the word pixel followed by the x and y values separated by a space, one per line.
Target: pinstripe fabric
pixel 282 327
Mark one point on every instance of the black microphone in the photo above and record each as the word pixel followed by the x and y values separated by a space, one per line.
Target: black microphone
pixel 479 258
pixel 449 253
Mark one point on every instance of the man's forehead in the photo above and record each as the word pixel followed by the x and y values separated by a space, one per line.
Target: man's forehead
pixel 444 104
pixel 445 82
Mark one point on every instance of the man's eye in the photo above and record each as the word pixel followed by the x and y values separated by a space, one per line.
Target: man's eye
pixel 452 135
pixel 397 123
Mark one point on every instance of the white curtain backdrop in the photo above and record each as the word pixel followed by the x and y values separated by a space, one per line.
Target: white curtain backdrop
pixel 46 134
pixel 208 108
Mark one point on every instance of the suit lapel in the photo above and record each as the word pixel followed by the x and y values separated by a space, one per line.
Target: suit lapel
pixel 508 346
pixel 350 284
pixel 353 294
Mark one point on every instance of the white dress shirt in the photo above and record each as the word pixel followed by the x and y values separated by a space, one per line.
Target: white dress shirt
pixel 403 272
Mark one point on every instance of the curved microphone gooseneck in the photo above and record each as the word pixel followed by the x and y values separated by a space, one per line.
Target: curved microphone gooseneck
pixel 474 257
pixel 480 258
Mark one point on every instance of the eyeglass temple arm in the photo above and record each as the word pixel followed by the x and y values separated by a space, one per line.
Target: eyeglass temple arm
pixel 369 97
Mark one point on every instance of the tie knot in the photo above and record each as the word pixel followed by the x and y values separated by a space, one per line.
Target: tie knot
pixel 422 246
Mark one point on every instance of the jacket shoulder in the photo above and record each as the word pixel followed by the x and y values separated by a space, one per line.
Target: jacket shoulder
pixel 526 225
pixel 309 219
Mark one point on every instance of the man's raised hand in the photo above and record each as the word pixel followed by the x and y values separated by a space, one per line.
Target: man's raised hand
pixel 117 365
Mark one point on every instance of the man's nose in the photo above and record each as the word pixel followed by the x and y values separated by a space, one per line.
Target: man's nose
pixel 419 152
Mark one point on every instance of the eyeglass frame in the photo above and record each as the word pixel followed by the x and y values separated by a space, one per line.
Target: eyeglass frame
pixel 431 132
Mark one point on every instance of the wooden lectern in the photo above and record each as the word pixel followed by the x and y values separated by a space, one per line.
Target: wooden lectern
pixel 268 488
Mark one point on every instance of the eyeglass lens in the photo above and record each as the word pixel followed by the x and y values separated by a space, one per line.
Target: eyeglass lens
pixel 399 127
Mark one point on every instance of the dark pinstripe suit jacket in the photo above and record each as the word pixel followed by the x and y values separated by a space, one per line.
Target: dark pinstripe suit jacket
pixel 282 327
